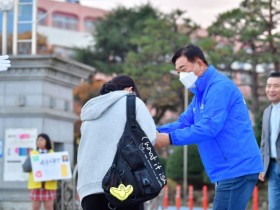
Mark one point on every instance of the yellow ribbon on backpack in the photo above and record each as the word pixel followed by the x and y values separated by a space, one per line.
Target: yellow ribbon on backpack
pixel 122 192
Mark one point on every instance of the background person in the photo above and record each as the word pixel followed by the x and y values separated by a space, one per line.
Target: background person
pixel 270 142
pixel 42 192
pixel 103 122
pixel 217 120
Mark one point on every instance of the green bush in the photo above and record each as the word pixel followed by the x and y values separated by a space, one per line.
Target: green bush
pixel 195 170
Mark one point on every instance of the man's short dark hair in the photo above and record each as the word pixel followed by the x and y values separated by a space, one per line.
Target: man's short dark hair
pixel 274 74
pixel 191 52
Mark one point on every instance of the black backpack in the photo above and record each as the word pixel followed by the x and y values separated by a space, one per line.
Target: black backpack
pixel 136 174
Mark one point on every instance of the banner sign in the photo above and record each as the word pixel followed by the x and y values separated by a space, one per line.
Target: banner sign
pixel 51 166
pixel 17 145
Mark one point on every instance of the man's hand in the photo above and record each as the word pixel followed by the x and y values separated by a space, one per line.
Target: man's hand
pixel 5 63
pixel 261 176
pixel 162 140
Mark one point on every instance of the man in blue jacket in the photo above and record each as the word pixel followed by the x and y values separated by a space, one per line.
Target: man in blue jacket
pixel 217 120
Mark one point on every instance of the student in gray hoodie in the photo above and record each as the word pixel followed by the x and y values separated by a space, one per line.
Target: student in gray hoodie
pixel 103 121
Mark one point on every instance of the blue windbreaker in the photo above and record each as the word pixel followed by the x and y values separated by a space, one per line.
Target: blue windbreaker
pixel 217 120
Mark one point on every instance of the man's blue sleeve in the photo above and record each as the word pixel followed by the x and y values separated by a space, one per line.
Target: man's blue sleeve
pixel 184 120
pixel 212 119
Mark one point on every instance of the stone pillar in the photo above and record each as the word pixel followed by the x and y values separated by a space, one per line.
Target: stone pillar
pixel 37 92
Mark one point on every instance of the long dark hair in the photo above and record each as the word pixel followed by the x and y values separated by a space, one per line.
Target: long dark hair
pixel 119 82
pixel 48 140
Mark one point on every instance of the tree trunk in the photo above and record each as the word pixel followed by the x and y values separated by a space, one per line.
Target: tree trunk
pixel 254 89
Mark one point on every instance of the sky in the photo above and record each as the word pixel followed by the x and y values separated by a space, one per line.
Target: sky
pixel 203 12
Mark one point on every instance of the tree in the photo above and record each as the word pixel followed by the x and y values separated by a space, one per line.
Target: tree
pixel 150 65
pixel 139 42
pixel 174 165
pixel 112 38
pixel 87 89
pixel 196 174
pixel 247 35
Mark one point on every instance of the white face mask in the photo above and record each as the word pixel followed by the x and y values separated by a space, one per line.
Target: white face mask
pixel 188 79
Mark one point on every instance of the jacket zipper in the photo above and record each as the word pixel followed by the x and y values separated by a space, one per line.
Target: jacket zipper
pixel 221 150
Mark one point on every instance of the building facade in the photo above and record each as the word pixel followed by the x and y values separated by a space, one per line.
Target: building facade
pixel 61 26
pixel 36 93
pixel 67 25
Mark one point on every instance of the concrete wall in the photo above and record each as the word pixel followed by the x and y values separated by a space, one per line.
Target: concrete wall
pixel 37 93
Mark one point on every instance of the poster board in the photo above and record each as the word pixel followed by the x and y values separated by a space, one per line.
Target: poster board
pixel 51 166
pixel 17 145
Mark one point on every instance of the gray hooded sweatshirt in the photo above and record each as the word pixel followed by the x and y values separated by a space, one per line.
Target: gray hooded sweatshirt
pixel 103 121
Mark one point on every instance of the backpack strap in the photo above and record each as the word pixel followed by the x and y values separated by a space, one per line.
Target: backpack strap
pixel 130 110
pixel 130 123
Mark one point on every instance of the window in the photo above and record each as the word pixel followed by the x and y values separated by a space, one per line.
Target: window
pixel 89 25
pixel 42 17
pixel 25 10
pixel 65 21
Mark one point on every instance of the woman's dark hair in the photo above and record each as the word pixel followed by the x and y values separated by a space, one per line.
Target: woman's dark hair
pixel 191 52
pixel 48 140
pixel 119 82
